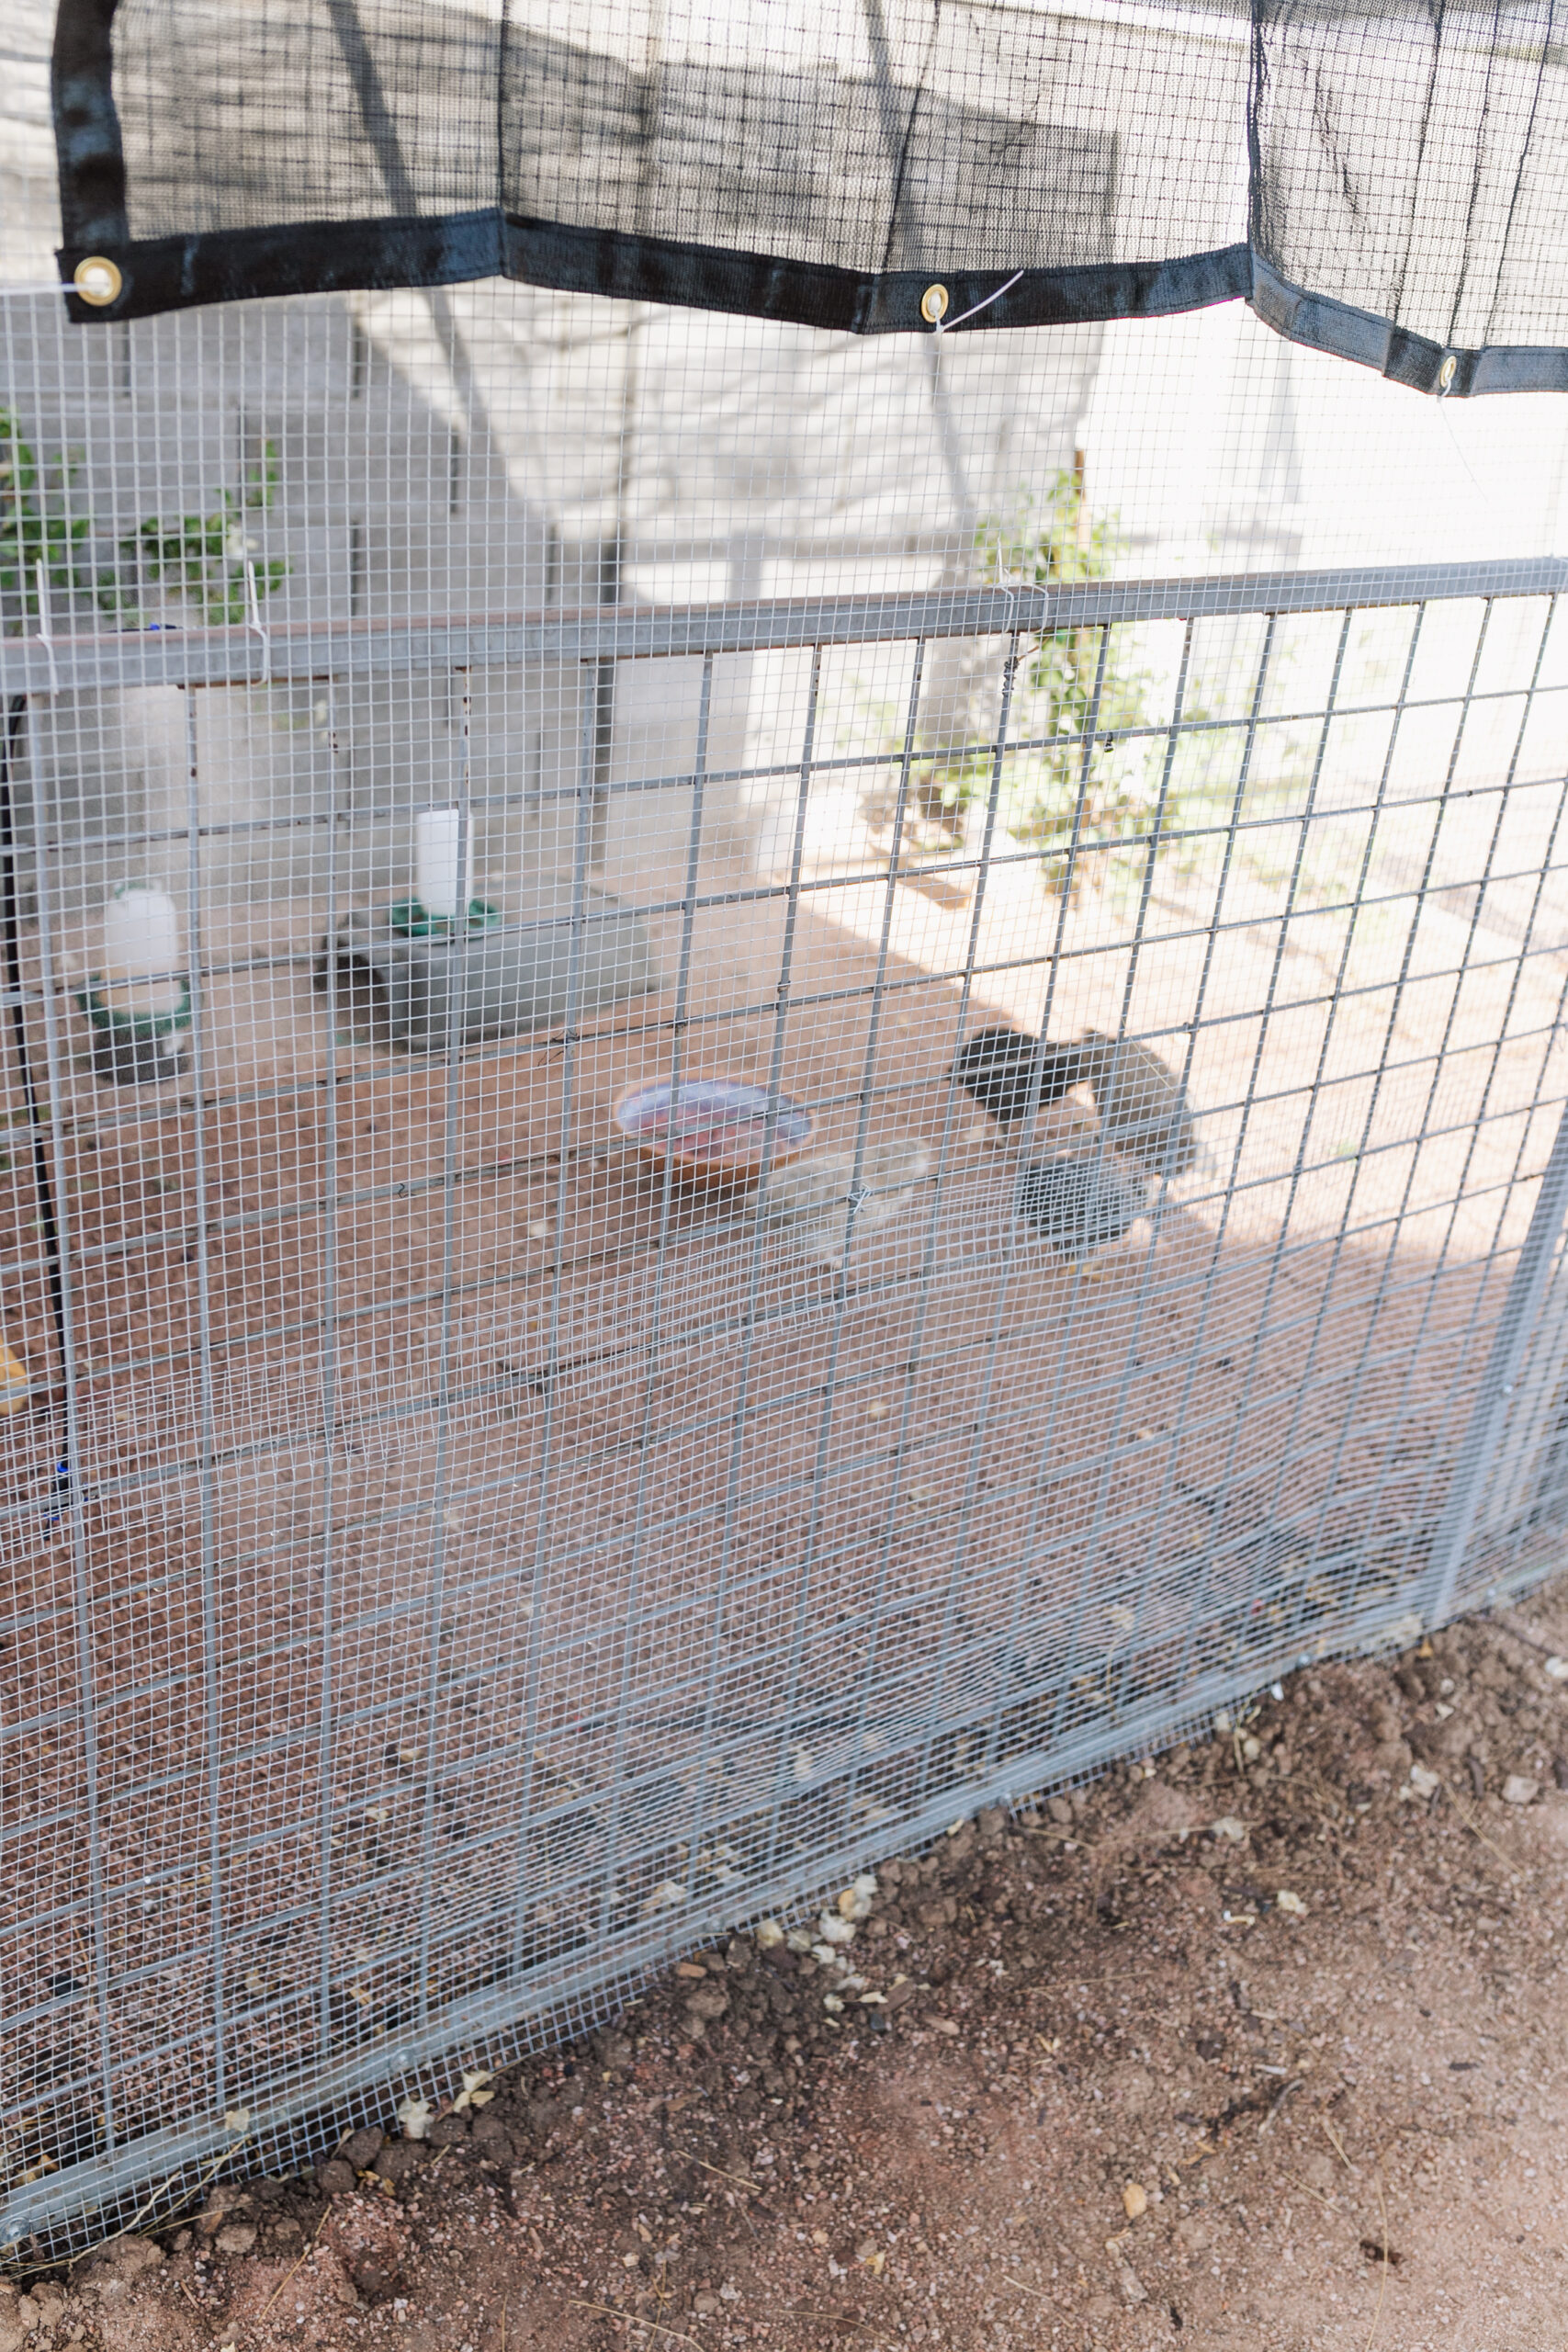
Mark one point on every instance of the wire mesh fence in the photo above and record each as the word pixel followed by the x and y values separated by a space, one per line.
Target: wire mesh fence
pixel 654 1240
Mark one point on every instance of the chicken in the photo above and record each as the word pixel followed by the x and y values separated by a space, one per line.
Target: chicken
pixel 997 1067
pixel 1076 1204
pixel 1141 1102
pixel 809 1203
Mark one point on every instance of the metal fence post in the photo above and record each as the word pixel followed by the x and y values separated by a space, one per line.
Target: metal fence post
pixel 1482 1441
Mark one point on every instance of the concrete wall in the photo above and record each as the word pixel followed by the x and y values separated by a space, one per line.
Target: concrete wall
pixel 377 506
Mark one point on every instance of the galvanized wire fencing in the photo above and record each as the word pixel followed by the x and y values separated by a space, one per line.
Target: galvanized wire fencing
pixel 476 1523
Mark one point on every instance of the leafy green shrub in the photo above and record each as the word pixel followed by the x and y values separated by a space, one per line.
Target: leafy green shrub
pixel 34 525
pixel 201 557
pixel 1072 698
pixel 1071 705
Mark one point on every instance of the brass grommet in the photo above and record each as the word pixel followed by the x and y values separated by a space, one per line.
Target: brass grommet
pixel 98 281
pixel 1446 372
pixel 933 305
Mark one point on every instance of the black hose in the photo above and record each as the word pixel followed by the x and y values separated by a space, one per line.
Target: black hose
pixel 10 925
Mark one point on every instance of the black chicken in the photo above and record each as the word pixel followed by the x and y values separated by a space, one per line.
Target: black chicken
pixel 997 1067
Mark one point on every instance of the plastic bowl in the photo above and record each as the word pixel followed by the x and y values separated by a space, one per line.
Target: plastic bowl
pixel 714 1128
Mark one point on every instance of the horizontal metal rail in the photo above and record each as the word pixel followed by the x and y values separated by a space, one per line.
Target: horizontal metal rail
pixel 299 651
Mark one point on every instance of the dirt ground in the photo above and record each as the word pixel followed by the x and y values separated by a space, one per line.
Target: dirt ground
pixel 1260 2044
pixel 1273 1370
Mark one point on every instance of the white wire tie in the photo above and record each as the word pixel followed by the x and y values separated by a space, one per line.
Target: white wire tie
pixel 253 621
pixel 46 635
pixel 942 326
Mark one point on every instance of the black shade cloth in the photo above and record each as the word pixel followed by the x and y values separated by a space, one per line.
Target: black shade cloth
pixel 1384 182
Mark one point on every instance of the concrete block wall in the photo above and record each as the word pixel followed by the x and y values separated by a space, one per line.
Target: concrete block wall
pixel 376 507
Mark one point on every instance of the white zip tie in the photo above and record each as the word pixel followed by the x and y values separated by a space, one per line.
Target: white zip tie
pixel 253 621
pixel 46 637
pixel 944 327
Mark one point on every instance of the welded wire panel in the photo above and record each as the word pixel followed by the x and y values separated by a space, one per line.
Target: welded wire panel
pixel 543 1420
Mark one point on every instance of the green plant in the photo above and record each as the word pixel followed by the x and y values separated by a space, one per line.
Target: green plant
pixel 1075 775
pixel 1074 697
pixel 35 526
pixel 204 557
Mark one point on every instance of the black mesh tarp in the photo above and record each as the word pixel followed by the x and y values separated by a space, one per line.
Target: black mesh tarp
pixel 1383 181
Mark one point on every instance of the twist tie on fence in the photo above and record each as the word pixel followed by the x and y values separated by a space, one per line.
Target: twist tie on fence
pixel 46 635
pixel 254 622
pixel 941 325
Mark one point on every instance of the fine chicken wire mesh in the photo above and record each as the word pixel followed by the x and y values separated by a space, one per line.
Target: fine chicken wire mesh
pixel 470 1530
